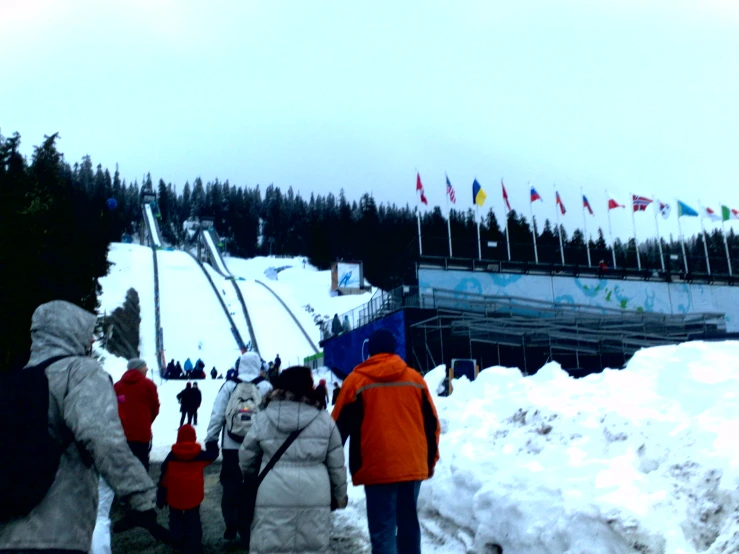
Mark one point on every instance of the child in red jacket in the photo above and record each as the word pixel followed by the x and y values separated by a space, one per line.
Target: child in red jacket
pixel 182 488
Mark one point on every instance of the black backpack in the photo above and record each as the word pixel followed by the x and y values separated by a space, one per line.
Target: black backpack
pixel 29 455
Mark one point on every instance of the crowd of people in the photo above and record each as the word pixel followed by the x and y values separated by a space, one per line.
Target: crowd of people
pixel 283 469
pixel 188 371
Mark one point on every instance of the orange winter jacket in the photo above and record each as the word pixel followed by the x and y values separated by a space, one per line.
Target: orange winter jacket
pixel 386 410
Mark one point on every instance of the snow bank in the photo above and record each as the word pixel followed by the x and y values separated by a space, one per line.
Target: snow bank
pixel 639 460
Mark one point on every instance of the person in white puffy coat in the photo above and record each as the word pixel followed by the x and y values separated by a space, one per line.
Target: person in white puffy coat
pixel 250 365
pixel 295 499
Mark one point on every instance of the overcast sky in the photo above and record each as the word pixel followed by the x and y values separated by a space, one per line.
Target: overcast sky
pixel 634 96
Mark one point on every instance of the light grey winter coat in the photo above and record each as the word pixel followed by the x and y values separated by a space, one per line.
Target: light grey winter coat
pixel 250 365
pixel 293 505
pixel 81 396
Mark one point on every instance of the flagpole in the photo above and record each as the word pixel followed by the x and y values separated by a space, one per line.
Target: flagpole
pixel 705 243
pixel 585 227
pixel 507 235
pixel 557 209
pixel 726 242
pixel 659 238
pixel 533 226
pixel 479 244
pixel 448 219
pixel 418 217
pixel 636 240
pixel 610 232
pixel 682 240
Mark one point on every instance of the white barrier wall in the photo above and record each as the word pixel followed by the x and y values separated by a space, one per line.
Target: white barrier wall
pixel 650 296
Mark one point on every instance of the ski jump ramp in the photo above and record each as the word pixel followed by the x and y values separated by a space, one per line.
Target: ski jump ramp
pixel 214 254
pixel 152 226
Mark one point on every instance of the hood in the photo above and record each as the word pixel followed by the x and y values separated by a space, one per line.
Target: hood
pixel 289 415
pixel 186 448
pixel 59 328
pixel 382 367
pixel 132 376
pixel 249 366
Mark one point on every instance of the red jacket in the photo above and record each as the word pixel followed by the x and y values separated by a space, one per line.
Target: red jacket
pixel 181 485
pixel 138 405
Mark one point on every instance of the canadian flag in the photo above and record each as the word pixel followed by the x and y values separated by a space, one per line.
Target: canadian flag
pixel 419 189
pixel 613 204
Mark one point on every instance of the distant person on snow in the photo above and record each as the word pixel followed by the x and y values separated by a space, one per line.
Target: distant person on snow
pixel 82 404
pixel 336 326
pixel 138 407
pixel 213 373
pixel 177 371
pixel 321 394
pixel 197 399
pixel 186 400
pixel 182 488
pixel 168 374
pixel 188 367
pixel 602 268
pixel 230 420
pixel 394 431
pixel 278 363
pixel 335 394
pixel 346 326
pixel 296 497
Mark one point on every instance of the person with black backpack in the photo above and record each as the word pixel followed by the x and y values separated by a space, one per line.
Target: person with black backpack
pixel 60 430
pixel 239 399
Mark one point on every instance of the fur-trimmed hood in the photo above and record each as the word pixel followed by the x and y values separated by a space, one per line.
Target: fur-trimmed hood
pixel 290 412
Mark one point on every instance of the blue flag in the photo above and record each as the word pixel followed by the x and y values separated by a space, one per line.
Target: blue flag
pixel 684 209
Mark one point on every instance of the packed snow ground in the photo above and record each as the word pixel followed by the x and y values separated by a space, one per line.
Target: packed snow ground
pixel 642 460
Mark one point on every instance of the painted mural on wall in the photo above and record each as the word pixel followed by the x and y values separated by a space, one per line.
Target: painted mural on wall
pixel 648 296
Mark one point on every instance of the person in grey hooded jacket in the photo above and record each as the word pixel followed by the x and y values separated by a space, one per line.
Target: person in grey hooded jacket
pixel 295 499
pixel 81 398
pixel 232 479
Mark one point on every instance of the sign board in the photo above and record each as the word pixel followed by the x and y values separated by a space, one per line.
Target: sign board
pixel 347 276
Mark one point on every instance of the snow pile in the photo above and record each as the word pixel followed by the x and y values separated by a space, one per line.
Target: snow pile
pixel 640 460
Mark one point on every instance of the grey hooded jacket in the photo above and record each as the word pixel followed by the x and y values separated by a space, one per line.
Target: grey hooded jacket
pixel 250 365
pixel 294 501
pixel 81 397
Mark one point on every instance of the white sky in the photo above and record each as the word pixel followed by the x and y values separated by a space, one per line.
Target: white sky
pixel 631 96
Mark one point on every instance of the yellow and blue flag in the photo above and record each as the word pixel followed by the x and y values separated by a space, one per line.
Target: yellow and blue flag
pixel 478 195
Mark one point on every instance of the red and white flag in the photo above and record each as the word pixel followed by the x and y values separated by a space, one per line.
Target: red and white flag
pixel 560 203
pixel 612 204
pixel 640 203
pixel 505 197
pixel 450 191
pixel 419 189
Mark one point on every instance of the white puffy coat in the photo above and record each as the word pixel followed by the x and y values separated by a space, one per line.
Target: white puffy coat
pixel 294 501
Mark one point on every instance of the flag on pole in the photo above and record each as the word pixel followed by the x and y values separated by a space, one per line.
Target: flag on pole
pixel 710 214
pixel 419 189
pixel 664 209
pixel 684 210
pixel 612 204
pixel 729 213
pixel 586 204
pixel 535 195
pixel 450 191
pixel 478 195
pixel 505 197
pixel 640 203
pixel 560 204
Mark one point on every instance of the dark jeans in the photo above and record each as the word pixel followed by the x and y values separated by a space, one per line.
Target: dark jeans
pixel 232 481
pixel 186 530
pixel 191 416
pixel 141 451
pixel 393 519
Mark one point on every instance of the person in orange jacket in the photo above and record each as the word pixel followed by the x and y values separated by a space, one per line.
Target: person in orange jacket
pixel 138 407
pixel 387 412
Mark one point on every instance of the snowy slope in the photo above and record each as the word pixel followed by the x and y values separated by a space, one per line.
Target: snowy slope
pixel 298 287
pixel 194 323
pixel 132 267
